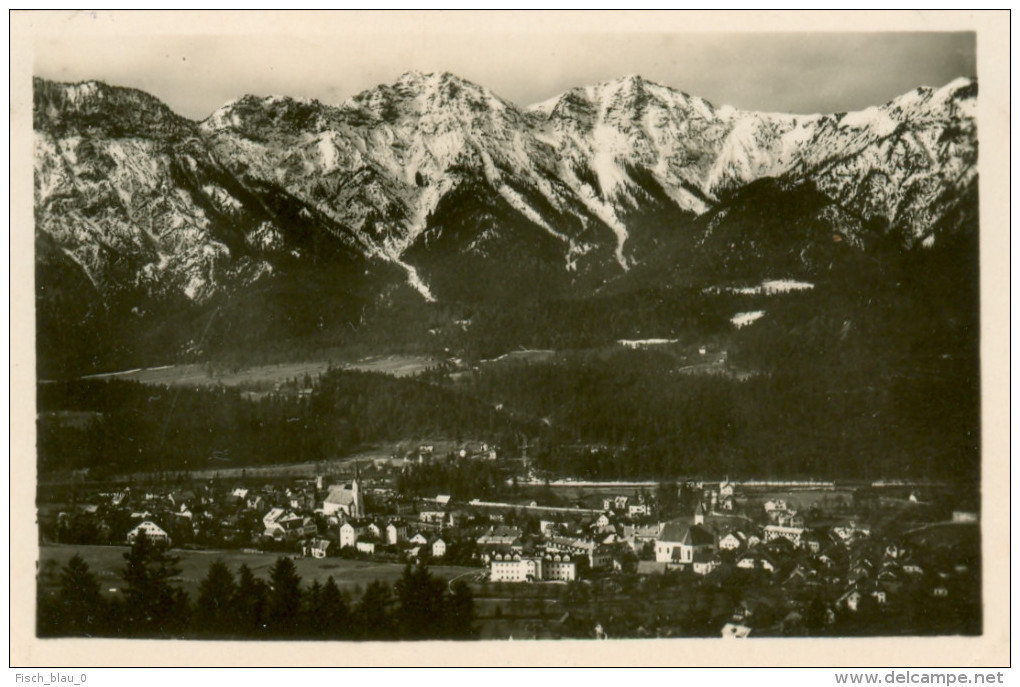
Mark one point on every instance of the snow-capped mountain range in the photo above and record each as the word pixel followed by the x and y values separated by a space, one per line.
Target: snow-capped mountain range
pixel 143 201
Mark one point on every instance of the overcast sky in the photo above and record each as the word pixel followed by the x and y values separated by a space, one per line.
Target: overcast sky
pixel 790 72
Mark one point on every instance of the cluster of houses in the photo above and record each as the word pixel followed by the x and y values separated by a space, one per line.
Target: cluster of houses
pixel 165 516
pixel 790 558
pixel 844 572
pixel 311 517
pixel 306 516
pixel 790 569
pixel 841 567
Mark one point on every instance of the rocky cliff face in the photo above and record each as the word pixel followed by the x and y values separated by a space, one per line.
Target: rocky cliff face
pixel 905 161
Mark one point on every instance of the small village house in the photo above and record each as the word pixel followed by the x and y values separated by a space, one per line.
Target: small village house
pixel 153 532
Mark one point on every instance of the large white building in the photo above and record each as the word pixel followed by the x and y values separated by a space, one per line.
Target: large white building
pixel 515 568
pixel 560 568
pixel 518 568
pixel 598 555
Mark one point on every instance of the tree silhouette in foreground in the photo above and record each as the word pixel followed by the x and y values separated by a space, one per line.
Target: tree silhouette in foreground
pixel 373 617
pixel 152 604
pixel 334 612
pixel 214 610
pixel 420 604
pixel 460 612
pixel 79 609
pixel 250 603
pixel 284 617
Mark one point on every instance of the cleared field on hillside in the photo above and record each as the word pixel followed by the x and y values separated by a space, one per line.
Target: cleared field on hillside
pixel 331 466
pixel 383 454
pixel 196 374
pixel 107 562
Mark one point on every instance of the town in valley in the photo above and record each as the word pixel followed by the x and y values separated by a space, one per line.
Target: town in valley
pixel 548 558
pixel 508 352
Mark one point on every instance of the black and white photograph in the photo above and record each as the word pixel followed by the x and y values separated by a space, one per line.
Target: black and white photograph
pixel 348 329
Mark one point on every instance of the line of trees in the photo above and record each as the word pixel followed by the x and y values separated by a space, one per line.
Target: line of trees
pixel 419 606
pixel 133 426
pixel 463 478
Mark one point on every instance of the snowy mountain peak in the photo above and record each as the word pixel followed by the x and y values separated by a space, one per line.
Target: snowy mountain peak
pixel 99 107
pixel 81 93
pixel 630 83
pixel 591 179
pixel 961 87
pixel 423 80
pixel 251 113
pixel 417 93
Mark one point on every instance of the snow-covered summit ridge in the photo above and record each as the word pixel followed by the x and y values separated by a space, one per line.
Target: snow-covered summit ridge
pixel 114 163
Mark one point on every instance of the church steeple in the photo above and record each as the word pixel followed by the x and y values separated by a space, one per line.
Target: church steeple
pixel 699 514
pixel 357 499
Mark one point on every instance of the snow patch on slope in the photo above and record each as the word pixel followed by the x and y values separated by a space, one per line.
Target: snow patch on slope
pixel 416 282
pixel 511 196
pixel 329 156
pixel 609 145
pixel 742 319
pixel 608 216
pixel 769 287
pixel 873 118
pixel 645 343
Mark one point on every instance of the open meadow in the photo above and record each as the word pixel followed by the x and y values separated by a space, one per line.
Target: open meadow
pixel 107 562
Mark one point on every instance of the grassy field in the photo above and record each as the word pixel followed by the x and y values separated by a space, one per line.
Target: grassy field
pixel 107 562
pixel 801 498
pixel 382 454
pixel 331 466
pixel 199 375
pixel 529 355
pixel 592 495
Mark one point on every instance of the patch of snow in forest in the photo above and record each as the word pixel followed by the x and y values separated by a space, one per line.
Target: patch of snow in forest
pixel 772 286
pixel 769 287
pixel 742 319
pixel 416 282
pixel 194 287
pixel 642 343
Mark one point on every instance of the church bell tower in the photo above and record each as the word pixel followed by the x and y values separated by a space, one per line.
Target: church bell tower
pixel 357 498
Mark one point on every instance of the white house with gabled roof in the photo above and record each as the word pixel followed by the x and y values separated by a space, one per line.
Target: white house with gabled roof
pixel 153 532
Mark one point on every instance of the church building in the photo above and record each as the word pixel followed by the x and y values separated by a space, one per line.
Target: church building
pixel 345 498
